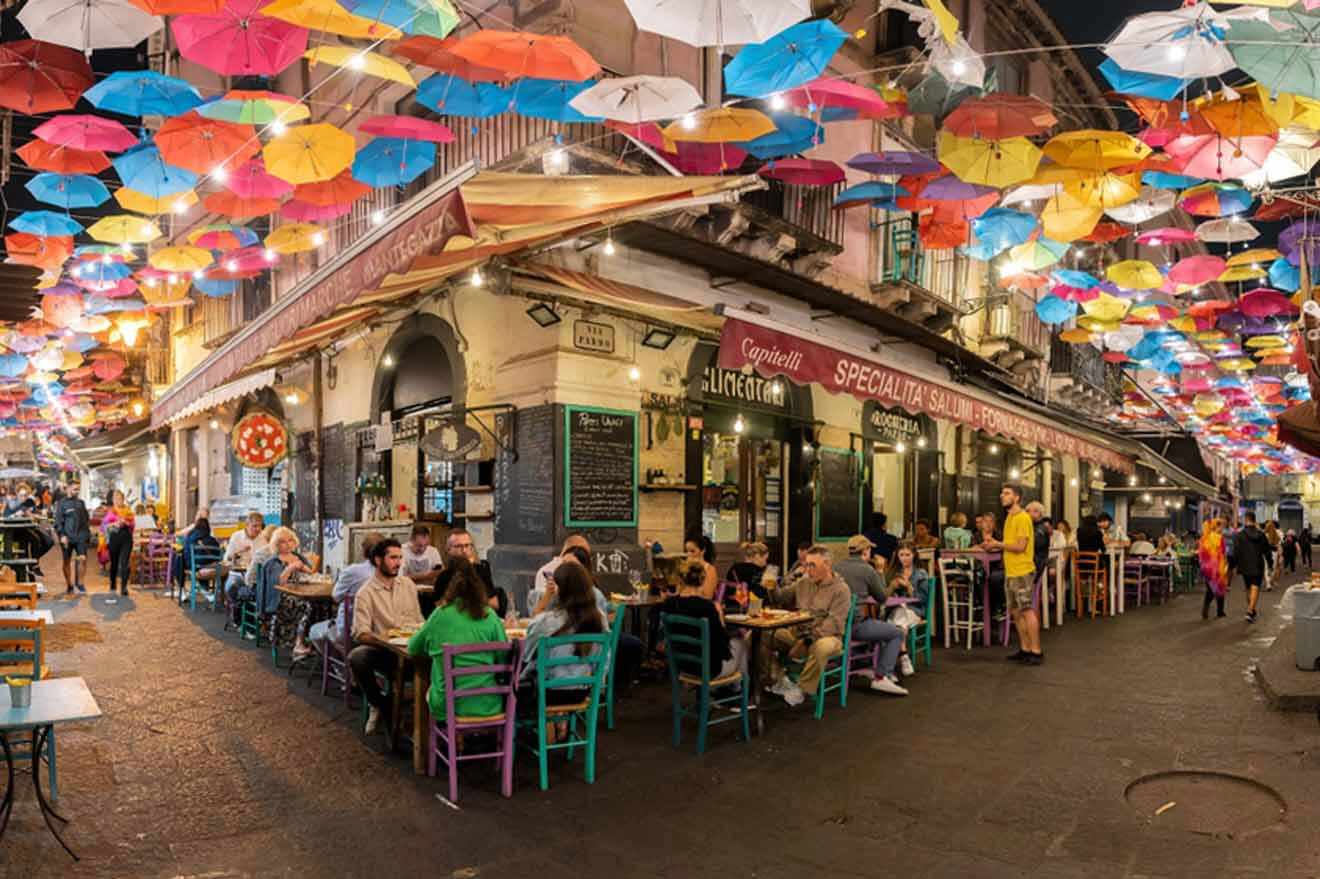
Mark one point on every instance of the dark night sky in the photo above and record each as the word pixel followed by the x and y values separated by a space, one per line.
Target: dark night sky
pixel 1090 22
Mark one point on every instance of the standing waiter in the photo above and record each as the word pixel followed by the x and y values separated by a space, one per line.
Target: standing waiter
pixel 74 528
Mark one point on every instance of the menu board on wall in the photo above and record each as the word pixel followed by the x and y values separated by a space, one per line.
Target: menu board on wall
pixel 838 495
pixel 336 488
pixel 600 468
pixel 525 482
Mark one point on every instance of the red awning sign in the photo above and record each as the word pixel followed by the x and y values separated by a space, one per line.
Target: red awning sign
pixel 774 353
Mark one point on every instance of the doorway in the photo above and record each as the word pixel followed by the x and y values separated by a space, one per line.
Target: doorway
pixel 742 494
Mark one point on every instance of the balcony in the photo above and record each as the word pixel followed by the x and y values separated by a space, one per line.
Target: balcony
pixel 1079 378
pixel 1012 336
pixel 921 286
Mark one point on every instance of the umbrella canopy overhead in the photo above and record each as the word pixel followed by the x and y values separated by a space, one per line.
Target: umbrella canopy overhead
pixel 308 153
pixel 717 22
pixel 239 40
pixel 521 54
pixel 88 24
pixel 37 77
pixel 142 93
pixel 793 57
pixel 637 99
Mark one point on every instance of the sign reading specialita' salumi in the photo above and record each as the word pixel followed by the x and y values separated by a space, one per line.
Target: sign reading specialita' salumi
pixel 775 353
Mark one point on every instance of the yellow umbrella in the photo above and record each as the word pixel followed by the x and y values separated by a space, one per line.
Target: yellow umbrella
pixel 370 63
pixel 1237 364
pixel 1254 255
pixel 124 229
pixel 132 200
pixel 295 238
pixel 989 162
pixel 1207 336
pixel 1105 190
pixel 1067 218
pixel 1106 307
pixel 72 360
pixel 1095 150
pixel 1096 325
pixel 309 153
pixel 329 16
pixel 1270 341
pixel 1184 324
pixel 1240 273
pixel 721 125
pixel 181 258
pixel 160 293
pixel 1075 336
pixel 1286 108
pixel 1135 274
pixel 1033 255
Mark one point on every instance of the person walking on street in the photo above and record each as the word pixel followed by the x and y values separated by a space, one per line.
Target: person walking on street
pixel 1018 547
pixel 1290 552
pixel 1252 555
pixel 74 528
pixel 1275 540
pixel 1213 558
pixel 118 524
pixel 1304 544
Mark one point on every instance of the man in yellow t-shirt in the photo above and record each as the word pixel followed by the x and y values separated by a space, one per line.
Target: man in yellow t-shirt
pixel 1020 574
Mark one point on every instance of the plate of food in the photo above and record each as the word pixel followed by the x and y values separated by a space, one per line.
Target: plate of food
pixel 392 634
pixel 736 617
pixel 774 613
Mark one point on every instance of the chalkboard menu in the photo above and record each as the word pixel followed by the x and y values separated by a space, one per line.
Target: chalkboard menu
pixel 525 487
pixel 336 471
pixel 600 467
pixel 838 495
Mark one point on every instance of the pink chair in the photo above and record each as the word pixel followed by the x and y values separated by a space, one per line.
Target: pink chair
pixel 334 657
pixel 155 560
pixel 456 724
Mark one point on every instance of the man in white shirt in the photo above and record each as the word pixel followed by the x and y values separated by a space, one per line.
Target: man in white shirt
pixel 1115 536
pixel 240 549
pixel 421 561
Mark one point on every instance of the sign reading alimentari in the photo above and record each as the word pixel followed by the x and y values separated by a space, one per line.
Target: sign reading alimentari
pixel 730 384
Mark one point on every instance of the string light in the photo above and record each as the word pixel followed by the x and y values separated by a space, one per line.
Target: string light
pixel 377 217
pixel 318 238
pixel 198 274
pixel 476 278
pixel 777 101
pixel 358 61
pixel 278 127
pixel 268 255
pixel 180 207
pixel 609 247
pixel 900 447
pixel 219 174
pixel 231 265
pixel 738 424
pixel 689 121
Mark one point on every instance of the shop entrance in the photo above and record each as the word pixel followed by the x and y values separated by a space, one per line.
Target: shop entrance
pixel 742 494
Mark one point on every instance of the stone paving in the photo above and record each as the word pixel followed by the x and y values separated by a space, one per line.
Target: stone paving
pixel 210 762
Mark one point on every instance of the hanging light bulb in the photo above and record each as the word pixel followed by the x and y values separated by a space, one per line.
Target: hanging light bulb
pixel 900 447
pixel 358 61
pixel 126 249
pixel 198 275
pixel 1177 52
pixel 387 360
pixel 172 279
pixel 634 374
pixel 278 127
pixel 377 217
pixel 219 174
pixel 477 280
pixel 777 101
pixel 738 424
pixel 609 247
pixel 1073 482
pixel 959 67
pixel 318 238
pixel 1014 473
pixel 215 425
pixel 994 448
pixel 180 206
pixel 231 265
pixel 268 255
pixel 689 121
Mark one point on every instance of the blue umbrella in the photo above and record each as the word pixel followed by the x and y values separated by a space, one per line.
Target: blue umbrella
pixel 46 223
pixel 1284 275
pixel 1074 278
pixel 1165 180
pixel 872 191
pixel 393 161
pixel 142 169
pixel 216 287
pixel 792 57
pixel 452 96
pixel 982 250
pixel 143 93
pixel 13 365
pixel 429 17
pixel 81 342
pixel 548 99
pixel 1003 228
pixel 109 305
pixel 68 190
pixel 1053 310
pixel 793 134
pixel 1146 85
pixel 101 272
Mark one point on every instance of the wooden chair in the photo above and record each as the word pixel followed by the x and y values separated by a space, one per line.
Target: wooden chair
pixel 334 653
pixel 1090 583
pixel 585 712
pixel 23 655
pixel 444 732
pixel 687 643
pixel 836 668
pixel 18 596
pixel 958 585
pixel 203 567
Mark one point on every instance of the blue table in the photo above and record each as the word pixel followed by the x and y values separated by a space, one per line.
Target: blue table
pixel 62 700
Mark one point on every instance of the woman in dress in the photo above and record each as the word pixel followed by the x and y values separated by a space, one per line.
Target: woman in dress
pixel 118 524
pixel 279 570
pixel 1214 566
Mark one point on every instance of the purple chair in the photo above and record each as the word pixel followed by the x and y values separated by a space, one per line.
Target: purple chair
pixel 456 724
pixel 334 657
pixel 1006 633
pixel 1135 583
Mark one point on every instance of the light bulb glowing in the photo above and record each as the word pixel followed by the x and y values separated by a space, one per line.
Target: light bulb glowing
pixel 476 279
pixel 215 425
pixel 358 61
pixel 387 360
pixel 173 279
pixel 318 238
pixel 609 247
pixel 126 249
pixel 777 101
pixel 377 217
pixel 689 121
pixel 959 67
pixel 1014 473
pixel 231 265
pixel 291 398
pixel 278 127
pixel 738 424
pixel 152 282
pixel 1146 497
pixel 198 275
pixel 1177 52
pixel 180 207
pixel 994 449
pixel 900 447
pixel 138 408
pixel 268 255
pixel 219 174
pixel 921 442
pixel 1132 480
pixel 1073 482
pixel 634 374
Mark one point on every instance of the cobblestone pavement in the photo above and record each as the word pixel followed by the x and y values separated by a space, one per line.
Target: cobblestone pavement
pixel 209 762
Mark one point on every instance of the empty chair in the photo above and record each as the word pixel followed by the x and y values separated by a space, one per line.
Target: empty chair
pixel 1090 583
pixel 18 596
pixel 334 651
pixel 23 655
pixel 958 584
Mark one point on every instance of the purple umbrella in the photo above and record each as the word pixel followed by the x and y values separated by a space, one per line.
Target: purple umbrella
pixel 950 188
pixel 894 162
pixel 1289 238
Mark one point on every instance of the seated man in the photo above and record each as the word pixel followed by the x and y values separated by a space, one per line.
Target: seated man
pixel 386 601
pixel 238 555
pixel 351 578
pixel 421 560
pixel 864 581
pixel 459 544
pixel 824 595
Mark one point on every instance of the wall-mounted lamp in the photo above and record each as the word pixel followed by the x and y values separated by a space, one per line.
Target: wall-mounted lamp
pixel 655 337
pixel 544 315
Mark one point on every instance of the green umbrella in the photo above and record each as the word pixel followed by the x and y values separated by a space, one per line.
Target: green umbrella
pixel 1282 54
pixel 936 96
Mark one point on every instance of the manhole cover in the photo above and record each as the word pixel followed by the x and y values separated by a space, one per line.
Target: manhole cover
pixel 1213 803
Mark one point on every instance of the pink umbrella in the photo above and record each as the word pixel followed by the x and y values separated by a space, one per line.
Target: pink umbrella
pixel 239 41
pixel 1216 157
pixel 122 287
pixel 705 158
pixel 1075 294
pixel 1264 302
pixel 821 94
pixel 1199 269
pixel 1196 382
pixel 1166 235
pixel 409 127
pixel 314 213
pixel 85 133
pixel 251 180
pixel 804 172
pixel 249 259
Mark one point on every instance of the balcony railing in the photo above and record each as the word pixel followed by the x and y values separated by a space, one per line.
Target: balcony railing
pixel 1080 362
pixel 902 258
pixel 807 207
pixel 1015 320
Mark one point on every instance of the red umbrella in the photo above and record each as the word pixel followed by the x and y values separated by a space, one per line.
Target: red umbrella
pixel 1103 233
pixel 237 207
pixel 1166 235
pixel 307 212
pixel 62 160
pixel 251 180
pixel 1264 302
pixel 239 41
pixel 804 172
pixel 37 77
pixel 408 127
pixel 438 55
pixel 179 7
pixel 518 54
pixel 1199 269
pixel 825 94
pixel 199 144
pixel 937 235
pixel 339 190
pixel 86 133
pixel 43 251
pixel 1220 158
pixel 998 116
pixel 704 158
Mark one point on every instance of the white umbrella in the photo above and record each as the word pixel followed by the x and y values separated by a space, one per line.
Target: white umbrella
pixel 718 22
pixel 1294 155
pixel 637 99
pixel 1229 230
pixel 1150 204
pixel 1031 192
pixel 88 24
pixel 1185 43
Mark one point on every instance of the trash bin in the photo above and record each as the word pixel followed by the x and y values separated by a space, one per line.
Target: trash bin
pixel 1306 628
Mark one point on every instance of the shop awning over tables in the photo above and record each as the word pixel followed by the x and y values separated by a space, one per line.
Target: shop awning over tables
pixel 1176 475
pixel 231 391
pixel 775 352
pixel 109 446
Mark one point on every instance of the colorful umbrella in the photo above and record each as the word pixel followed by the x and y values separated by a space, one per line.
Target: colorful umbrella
pixel 360 61
pixel 250 180
pixel 1294 155
pixel 88 24
pixel 205 146
pixel 1241 273
pixel 305 211
pixel 790 58
pixel 222 237
pixel 550 99
pixel 717 22
pixel 438 56
pixel 294 238
pixel 143 169
pixel 994 163
pixel 1148 85
pixel 1149 204
pixel 792 134
pixel 180 258
pixel 1165 180
pixel 1282 52
pixel 239 41
pixel 37 77
pixel 68 190
pixel 520 54
pixel 142 93
pixel 636 99
pixel 1107 190
pixel 1230 230
pixel 124 229
pixel 1037 254
pixel 869 193
pixel 1196 270
pixel 144 203
pixel 894 162
pixel 449 95
pixel 1135 274
pixel 1220 158
pixel 998 116
pixel 435 18
pixel 248 107
pixel 720 125
pixel 85 133
pixel 178 7
pixel 62 160
pixel 237 207
pixel 1215 200
pixel 308 153
pixel 1185 43
pixel 804 172
pixel 407 127
pixel 330 17
pixel 838 98
pixel 1067 218
pixel 341 189
pixel 1095 150
pixel 1265 302
pixel 45 223
pixel 393 161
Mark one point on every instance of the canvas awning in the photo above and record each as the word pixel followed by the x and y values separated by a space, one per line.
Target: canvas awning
pixel 240 387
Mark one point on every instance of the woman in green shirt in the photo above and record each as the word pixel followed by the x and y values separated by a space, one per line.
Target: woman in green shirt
pixel 464 617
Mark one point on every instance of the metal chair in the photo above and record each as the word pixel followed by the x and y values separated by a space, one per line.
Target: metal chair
pixel 203 565
pixel 334 655
pixel 502 664
pixel 23 655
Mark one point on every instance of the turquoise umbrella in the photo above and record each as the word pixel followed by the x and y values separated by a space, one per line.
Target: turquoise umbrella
pixel 1282 54
pixel 142 93
pixel 45 223
pixel 68 190
pixel 792 57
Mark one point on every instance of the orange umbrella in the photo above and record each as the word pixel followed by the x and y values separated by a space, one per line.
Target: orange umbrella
pixel 1105 232
pixel 997 116
pixel 938 235
pixel 519 54
pixel 1240 118
pixel 179 7
pixel 43 251
pixel 338 190
pixel 438 55
pixel 62 160
pixel 199 144
pixel 235 206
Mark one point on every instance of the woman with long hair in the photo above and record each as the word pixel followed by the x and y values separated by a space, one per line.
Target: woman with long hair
pixel 1214 566
pixel 574 613
pixel 699 549
pixel 118 524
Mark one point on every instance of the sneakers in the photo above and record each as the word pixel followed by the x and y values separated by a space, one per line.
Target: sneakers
pixel 888 685
pixel 1251 616
pixel 868 673
pixel 1017 657
pixel 1205 611
pixel 82 590
pixel 781 686
pixel 905 666
pixel 1033 659
pixel 373 721
pixel 794 696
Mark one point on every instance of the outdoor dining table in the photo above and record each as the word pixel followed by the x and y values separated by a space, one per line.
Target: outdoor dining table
pixel 28 616
pixel 756 625
pixel 985 558
pixel 635 604
pixel 61 700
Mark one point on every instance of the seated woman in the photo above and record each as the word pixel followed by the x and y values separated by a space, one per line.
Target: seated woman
pixel 462 617
pixel 574 613
pixel 727 654
pixel 956 535
pixel 700 549
pixel 904 580
pixel 199 534
pixel 750 571
pixel 279 569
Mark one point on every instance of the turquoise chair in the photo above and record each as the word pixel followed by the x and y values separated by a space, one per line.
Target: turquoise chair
pixel 687 641
pixel 587 711
pixel 204 558
pixel 21 656
pixel 836 669
pixel 918 636
pixel 616 628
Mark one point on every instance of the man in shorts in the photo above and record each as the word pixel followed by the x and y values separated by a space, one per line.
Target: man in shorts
pixel 74 528
pixel 1018 547
pixel 1251 557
